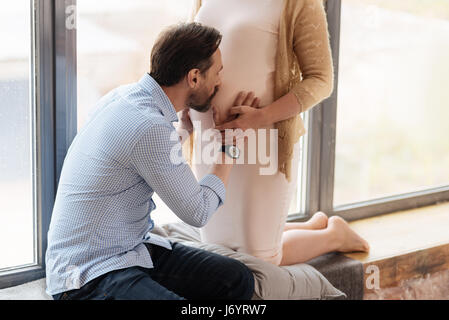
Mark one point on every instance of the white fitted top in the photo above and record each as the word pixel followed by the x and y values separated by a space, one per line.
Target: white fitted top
pixel 254 213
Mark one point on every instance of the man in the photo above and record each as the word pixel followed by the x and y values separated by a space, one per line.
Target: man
pixel 99 242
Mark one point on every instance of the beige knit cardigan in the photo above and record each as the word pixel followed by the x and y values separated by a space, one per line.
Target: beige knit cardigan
pixel 303 66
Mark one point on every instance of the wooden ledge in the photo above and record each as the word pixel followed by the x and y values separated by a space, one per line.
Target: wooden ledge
pixel 405 245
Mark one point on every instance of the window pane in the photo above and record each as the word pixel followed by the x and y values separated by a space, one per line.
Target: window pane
pixel 297 204
pixel 115 38
pixel 16 183
pixel 393 98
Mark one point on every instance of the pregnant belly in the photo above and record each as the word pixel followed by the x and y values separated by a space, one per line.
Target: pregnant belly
pixel 237 80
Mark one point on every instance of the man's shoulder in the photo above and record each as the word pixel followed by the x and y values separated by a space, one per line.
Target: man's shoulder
pixel 155 140
pixel 137 103
pixel 143 103
pixel 138 112
pixel 125 114
pixel 158 129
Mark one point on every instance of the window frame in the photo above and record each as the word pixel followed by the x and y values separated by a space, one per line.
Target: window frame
pixel 53 101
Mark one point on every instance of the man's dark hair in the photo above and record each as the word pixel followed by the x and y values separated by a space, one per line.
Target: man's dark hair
pixel 181 48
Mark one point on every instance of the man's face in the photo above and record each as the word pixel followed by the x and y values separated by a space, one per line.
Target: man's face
pixel 200 98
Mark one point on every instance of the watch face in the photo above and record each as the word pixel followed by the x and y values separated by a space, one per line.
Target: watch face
pixel 234 151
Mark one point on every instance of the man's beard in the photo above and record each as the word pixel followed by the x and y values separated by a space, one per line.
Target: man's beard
pixel 201 107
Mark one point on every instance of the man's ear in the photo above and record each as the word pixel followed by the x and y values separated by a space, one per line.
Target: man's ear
pixel 193 78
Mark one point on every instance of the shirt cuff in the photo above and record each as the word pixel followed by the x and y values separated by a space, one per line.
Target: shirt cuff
pixel 215 183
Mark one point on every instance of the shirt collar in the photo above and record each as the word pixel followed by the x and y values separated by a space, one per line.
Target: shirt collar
pixel 162 101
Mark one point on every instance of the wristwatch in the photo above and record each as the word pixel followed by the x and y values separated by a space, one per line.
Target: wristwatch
pixel 231 151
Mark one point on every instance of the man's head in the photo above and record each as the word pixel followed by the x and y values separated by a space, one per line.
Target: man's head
pixel 188 53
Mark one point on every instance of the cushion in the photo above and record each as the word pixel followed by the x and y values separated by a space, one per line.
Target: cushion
pixel 295 282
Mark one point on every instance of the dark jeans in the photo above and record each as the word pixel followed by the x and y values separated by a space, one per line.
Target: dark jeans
pixel 182 273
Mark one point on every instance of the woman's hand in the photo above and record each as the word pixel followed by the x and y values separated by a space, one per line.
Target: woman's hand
pixel 245 114
pixel 243 100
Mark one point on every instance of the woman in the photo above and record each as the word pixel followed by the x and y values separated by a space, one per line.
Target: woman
pixel 279 50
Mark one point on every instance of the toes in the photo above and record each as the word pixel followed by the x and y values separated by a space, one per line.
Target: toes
pixel 363 245
pixel 352 242
pixel 366 247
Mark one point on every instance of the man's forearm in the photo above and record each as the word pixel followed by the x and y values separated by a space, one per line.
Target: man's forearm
pixel 222 168
pixel 283 108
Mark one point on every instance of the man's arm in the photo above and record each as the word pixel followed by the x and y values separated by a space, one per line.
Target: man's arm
pixel 157 158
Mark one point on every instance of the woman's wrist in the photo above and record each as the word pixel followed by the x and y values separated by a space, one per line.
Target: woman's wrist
pixel 267 116
pixel 281 109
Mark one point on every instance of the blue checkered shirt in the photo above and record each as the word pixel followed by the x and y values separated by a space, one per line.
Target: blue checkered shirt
pixel 102 212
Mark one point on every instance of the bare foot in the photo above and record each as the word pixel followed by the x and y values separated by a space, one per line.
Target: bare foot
pixel 349 240
pixel 318 220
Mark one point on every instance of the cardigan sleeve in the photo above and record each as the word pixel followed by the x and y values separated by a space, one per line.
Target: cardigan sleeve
pixel 312 49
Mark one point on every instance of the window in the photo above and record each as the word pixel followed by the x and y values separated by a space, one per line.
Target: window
pixel 392 99
pixel 114 42
pixel 17 138
pixel 298 204
pixel 334 174
pixel 379 143
pixel 29 120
